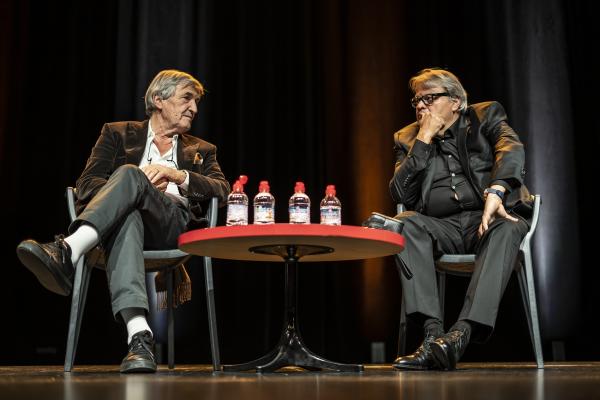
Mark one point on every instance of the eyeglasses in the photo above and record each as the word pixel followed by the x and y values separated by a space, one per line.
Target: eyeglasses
pixel 170 159
pixel 427 99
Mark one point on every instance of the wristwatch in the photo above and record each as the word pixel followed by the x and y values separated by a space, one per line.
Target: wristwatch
pixel 497 192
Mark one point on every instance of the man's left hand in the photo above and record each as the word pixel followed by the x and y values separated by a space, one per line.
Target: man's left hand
pixel 493 208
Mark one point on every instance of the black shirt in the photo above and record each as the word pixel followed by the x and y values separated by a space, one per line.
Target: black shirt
pixel 451 191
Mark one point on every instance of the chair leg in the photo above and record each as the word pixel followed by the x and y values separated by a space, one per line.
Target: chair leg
pixel 402 330
pixel 526 274
pixel 170 322
pixel 212 317
pixel 80 287
pixel 441 277
pixel 525 297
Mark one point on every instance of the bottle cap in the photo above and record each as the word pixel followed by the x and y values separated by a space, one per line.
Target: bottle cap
pixel 263 186
pixel 299 187
pixel 238 186
pixel 330 190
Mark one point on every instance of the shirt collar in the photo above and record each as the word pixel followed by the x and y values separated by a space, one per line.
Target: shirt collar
pixel 453 130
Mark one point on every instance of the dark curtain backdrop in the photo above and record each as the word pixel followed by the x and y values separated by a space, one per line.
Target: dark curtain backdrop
pixel 309 91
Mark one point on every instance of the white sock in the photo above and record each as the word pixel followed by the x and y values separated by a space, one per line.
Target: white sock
pixel 81 241
pixel 136 322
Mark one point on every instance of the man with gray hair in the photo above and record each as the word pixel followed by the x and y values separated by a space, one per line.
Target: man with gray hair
pixel 141 188
pixel 459 173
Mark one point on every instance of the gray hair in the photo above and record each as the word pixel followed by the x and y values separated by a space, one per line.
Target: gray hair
pixel 164 85
pixel 431 77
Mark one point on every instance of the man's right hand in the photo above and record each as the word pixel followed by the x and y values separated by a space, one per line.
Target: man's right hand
pixel 158 175
pixel 430 125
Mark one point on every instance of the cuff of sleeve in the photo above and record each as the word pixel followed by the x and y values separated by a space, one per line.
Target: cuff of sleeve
pixel 186 182
pixel 504 184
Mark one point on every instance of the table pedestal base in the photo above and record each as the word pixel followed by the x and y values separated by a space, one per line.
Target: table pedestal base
pixel 291 351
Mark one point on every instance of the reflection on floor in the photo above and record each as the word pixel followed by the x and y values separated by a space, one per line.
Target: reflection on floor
pixel 513 381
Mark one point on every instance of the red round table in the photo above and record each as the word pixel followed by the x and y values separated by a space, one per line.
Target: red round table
pixel 292 243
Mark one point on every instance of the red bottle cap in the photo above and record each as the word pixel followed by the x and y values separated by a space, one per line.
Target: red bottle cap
pixel 330 190
pixel 238 186
pixel 299 187
pixel 263 186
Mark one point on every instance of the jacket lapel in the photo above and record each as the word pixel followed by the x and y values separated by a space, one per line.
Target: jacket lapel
pixel 186 151
pixel 428 179
pixel 135 142
pixel 467 132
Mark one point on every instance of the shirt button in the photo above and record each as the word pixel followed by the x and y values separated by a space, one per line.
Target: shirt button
pixel 450 156
pixel 453 187
pixel 453 174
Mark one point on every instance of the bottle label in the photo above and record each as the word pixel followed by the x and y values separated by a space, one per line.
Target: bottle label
pixel 264 215
pixel 299 215
pixel 237 214
pixel 331 216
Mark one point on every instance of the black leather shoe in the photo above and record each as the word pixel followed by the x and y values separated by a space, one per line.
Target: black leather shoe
pixel 421 359
pixel 141 354
pixel 380 221
pixel 50 263
pixel 448 349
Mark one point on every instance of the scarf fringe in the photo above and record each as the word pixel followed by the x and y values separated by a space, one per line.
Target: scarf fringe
pixel 182 288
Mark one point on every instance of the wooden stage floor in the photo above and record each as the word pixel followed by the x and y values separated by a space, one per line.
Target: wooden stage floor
pixel 514 381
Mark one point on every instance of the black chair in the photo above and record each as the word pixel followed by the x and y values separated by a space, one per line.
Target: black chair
pixel 155 260
pixel 463 264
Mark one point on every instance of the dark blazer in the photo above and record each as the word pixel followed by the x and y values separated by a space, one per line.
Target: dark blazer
pixel 123 143
pixel 489 151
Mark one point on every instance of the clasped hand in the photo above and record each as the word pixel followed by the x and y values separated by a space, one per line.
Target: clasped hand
pixel 160 175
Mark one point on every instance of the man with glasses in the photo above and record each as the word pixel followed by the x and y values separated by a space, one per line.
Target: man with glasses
pixel 141 188
pixel 459 171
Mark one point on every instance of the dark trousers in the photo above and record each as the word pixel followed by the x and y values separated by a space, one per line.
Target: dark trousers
pixel 131 215
pixel 427 238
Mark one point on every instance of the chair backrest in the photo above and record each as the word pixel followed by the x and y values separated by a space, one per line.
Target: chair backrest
pixel 71 203
pixel 462 264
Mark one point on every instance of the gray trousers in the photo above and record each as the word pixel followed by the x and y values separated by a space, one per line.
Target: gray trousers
pixel 131 215
pixel 427 238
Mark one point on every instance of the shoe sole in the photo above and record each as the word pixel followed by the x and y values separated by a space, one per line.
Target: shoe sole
pixel 410 368
pixel 138 367
pixel 443 359
pixel 29 255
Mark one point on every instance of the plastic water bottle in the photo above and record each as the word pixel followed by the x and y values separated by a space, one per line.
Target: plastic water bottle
pixel 237 203
pixel 264 205
pixel 331 208
pixel 299 206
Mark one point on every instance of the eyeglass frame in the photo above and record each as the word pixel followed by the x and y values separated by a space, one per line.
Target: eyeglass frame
pixel 431 97
pixel 170 159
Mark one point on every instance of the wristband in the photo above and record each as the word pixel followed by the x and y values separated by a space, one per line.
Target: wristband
pixel 497 192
